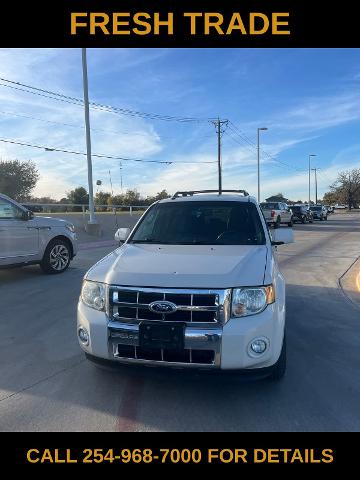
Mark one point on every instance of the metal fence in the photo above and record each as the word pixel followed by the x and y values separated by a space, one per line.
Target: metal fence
pixel 84 209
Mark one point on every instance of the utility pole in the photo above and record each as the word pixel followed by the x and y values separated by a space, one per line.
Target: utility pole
pixel 316 197
pixel 92 220
pixel 311 155
pixel 218 126
pixel 258 158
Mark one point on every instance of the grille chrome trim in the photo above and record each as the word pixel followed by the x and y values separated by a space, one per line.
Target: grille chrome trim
pixel 196 338
pixel 185 308
pixel 220 308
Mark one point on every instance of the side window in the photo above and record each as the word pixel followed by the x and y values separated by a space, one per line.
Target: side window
pixel 9 210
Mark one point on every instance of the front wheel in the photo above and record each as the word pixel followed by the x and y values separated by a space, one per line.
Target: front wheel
pixel 279 369
pixel 291 223
pixel 57 257
pixel 277 223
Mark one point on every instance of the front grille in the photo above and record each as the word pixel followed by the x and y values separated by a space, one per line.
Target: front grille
pixel 205 357
pixel 132 305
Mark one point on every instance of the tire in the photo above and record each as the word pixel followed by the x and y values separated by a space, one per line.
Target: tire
pixel 277 223
pixel 57 257
pixel 303 220
pixel 311 221
pixel 279 369
pixel 326 218
pixel 321 219
pixel 291 223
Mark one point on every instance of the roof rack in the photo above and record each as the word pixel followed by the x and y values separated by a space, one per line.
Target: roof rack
pixel 190 193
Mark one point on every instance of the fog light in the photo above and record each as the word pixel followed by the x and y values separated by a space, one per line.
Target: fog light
pixel 258 346
pixel 83 336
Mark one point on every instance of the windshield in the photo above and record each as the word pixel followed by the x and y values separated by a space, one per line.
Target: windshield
pixel 295 208
pixel 269 206
pixel 316 208
pixel 201 223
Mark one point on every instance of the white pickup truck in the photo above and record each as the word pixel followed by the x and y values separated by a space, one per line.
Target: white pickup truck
pixel 195 285
pixel 276 213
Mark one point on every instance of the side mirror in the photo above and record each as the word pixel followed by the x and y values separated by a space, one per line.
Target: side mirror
pixel 27 215
pixel 122 234
pixel 280 236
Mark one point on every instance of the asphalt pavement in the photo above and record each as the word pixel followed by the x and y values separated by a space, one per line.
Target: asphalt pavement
pixel 47 385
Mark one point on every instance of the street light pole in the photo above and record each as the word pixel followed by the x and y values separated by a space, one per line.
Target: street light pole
pixel 316 196
pixel 311 155
pixel 258 159
pixel 88 137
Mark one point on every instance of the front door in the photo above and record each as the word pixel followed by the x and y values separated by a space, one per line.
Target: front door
pixel 19 238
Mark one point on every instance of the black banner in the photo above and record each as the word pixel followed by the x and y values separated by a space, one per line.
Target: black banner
pixel 180 23
pixel 240 452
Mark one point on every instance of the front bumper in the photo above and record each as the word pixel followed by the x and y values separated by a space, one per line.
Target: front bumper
pixel 229 343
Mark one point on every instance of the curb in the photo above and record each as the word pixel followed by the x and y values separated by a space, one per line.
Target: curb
pixel 349 283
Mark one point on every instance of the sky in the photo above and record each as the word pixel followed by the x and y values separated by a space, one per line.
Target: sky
pixel 309 99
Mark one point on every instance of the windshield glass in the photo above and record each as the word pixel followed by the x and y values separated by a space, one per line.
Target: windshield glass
pixel 316 208
pixel 202 223
pixel 295 208
pixel 269 206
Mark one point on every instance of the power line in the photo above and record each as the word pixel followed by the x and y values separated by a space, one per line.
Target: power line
pixel 249 142
pixel 109 108
pixel 72 125
pixel 98 155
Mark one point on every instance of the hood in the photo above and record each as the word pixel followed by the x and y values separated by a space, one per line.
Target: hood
pixel 50 222
pixel 182 266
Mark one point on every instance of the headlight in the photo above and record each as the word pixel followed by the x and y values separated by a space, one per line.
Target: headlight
pixel 251 300
pixel 70 227
pixel 94 295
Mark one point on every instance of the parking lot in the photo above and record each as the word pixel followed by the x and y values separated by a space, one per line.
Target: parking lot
pixel 46 384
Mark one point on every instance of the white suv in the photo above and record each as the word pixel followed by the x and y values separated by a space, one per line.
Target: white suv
pixel 25 239
pixel 195 285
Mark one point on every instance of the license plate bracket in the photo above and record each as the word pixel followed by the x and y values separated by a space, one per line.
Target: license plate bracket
pixel 162 335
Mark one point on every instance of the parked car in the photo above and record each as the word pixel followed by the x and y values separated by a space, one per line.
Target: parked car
pixel 276 213
pixel 196 284
pixel 26 239
pixel 329 209
pixel 319 212
pixel 302 214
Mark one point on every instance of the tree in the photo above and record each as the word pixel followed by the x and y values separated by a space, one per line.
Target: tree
pixel 159 196
pixel 18 179
pixel 347 187
pixel 331 198
pixel 101 198
pixel 78 196
pixel 132 197
pixel 116 200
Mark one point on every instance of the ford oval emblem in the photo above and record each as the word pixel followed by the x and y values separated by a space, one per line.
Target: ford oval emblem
pixel 162 306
